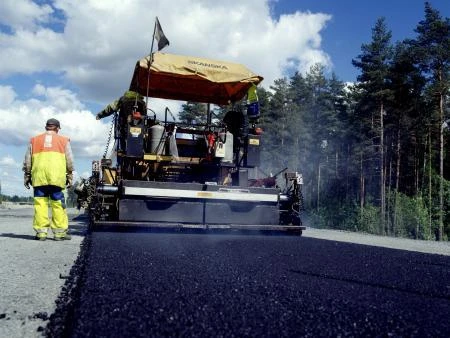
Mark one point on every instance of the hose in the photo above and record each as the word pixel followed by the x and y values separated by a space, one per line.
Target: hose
pixel 108 141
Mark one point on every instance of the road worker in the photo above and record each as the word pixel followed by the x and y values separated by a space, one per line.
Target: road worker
pixel 128 104
pixel 48 167
pixel 252 103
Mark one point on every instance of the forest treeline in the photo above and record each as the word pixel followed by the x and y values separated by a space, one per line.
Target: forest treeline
pixel 374 154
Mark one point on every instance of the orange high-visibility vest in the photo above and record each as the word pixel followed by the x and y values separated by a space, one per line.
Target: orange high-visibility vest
pixel 48 159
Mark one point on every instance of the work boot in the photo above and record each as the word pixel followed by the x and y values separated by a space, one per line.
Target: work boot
pixel 40 238
pixel 66 237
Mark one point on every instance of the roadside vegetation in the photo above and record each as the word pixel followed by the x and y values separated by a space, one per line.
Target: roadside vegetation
pixel 374 155
pixel 16 199
pixel 71 198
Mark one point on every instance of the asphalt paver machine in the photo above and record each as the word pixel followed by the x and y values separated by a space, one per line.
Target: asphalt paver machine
pixel 191 175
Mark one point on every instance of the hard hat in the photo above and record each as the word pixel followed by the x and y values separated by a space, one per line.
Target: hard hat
pixel 53 122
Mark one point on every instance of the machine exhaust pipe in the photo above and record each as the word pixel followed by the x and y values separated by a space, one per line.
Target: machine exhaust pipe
pixel 107 189
pixel 284 198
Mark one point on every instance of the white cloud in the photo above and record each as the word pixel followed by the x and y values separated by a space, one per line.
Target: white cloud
pixel 102 40
pixel 7 96
pixel 8 161
pixel 60 98
pixel 23 14
pixel 23 119
pixel 28 52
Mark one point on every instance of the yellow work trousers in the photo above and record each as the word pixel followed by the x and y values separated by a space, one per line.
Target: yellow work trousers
pixel 46 197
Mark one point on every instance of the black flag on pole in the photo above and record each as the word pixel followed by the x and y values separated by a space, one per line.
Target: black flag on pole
pixel 160 37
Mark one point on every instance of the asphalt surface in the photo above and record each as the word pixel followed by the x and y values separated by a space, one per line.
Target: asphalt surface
pixel 150 284
pixel 146 284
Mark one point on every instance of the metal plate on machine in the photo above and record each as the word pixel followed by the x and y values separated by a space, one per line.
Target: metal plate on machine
pixel 253 151
pixel 171 189
pixel 230 194
pixel 135 131
pixel 253 141
pixel 197 211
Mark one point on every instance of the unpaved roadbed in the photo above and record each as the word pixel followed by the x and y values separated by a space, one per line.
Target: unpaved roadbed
pixel 32 272
pixel 431 247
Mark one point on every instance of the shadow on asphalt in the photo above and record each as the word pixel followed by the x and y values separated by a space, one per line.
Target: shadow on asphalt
pixel 147 228
pixel 175 230
pixel 79 218
pixel 75 230
pixel 20 236
pixel 32 237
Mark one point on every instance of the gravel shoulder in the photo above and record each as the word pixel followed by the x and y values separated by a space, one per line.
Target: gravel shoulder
pixel 32 272
pixel 430 247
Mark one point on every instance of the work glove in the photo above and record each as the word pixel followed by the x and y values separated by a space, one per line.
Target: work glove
pixel 69 180
pixel 27 180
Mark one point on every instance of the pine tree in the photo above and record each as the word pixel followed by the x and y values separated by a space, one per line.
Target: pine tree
pixel 404 129
pixel 193 113
pixel 275 124
pixel 432 47
pixel 374 66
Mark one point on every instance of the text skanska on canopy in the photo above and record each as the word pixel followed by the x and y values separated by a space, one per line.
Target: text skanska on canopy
pixel 204 64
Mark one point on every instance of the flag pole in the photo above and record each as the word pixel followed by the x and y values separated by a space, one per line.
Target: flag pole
pixel 149 63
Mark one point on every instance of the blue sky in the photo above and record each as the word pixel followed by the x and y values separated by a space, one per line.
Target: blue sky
pixel 69 58
pixel 352 21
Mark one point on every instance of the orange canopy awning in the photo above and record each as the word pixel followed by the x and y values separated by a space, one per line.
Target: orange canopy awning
pixel 194 79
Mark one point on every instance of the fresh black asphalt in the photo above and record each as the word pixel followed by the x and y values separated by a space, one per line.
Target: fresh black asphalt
pixel 160 284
